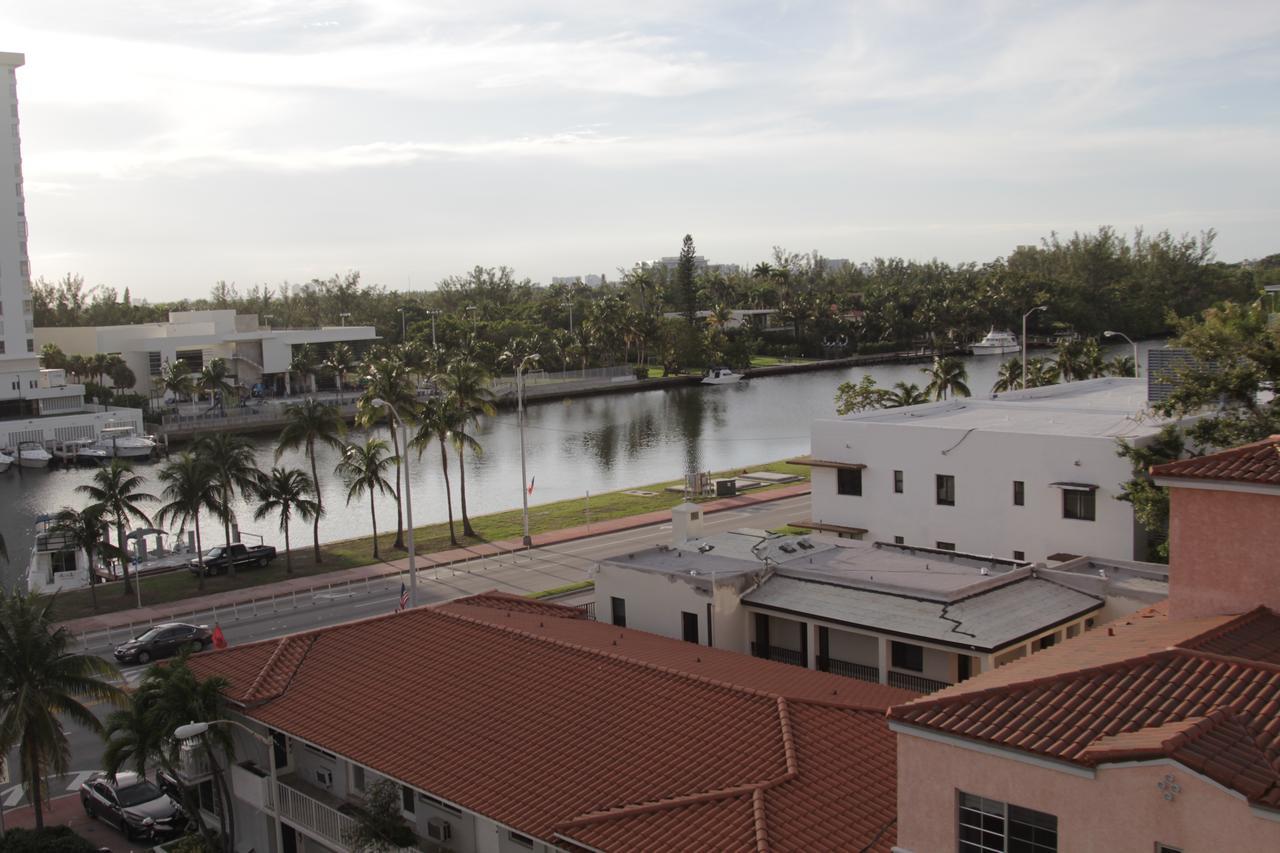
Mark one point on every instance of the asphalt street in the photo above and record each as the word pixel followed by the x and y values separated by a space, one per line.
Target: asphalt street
pixel 526 572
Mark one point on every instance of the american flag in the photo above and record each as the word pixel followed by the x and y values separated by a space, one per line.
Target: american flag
pixel 404 597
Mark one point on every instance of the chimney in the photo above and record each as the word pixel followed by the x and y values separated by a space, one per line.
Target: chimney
pixel 686 523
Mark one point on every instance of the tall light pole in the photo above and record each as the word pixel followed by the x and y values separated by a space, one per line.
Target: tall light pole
pixel 524 476
pixel 433 314
pixel 343 317
pixel 570 305
pixel 194 730
pixel 1024 341
pixel 1137 372
pixel 408 496
pixel 401 324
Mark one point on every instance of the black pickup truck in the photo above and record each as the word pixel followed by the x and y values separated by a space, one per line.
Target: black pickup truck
pixel 218 560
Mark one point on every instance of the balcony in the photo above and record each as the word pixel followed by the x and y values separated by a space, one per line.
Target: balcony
pixel 918 683
pixel 850 670
pixel 319 814
pixel 251 784
pixel 193 763
pixel 779 654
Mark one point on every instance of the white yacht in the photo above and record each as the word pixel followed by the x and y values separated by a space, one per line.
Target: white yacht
pixel 32 455
pixel 721 376
pixel 5 461
pixel 997 343
pixel 123 441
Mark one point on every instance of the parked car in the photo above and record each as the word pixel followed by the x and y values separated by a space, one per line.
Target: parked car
pixel 134 805
pixel 217 560
pixel 163 640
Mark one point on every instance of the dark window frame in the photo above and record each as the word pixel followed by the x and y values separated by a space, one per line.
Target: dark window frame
pixel 1019 493
pixel 689 620
pixel 904 655
pixel 618 611
pixel 945 546
pixel 944 487
pixel 897 482
pixel 1080 504
pixel 984 825
pixel 849 482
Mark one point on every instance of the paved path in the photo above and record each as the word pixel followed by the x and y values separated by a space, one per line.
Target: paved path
pixel 308 584
pixel 67 811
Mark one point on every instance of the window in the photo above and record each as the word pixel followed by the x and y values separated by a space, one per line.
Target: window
pixel 407 802
pixel 357 777
pixel 946 485
pixel 31 344
pixel 1020 555
pixel 907 656
pixel 1073 631
pixel 898 540
pixel 618 609
pixel 1165 848
pixel 689 627
pixel 522 840
pixel 63 561
pixel 439 803
pixel 946 546
pixel 154 364
pixel 848 481
pixel 1079 504
pixel 897 482
pixel 1046 642
pixel 1019 493
pixel 990 826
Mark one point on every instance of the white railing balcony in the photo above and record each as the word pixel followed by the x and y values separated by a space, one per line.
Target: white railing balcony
pixel 193 764
pixel 318 819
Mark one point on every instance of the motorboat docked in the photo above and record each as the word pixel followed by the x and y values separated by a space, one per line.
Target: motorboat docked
pixel 997 343
pixel 33 455
pixel 122 440
pixel 79 451
pixel 57 564
pixel 720 376
pixel 5 461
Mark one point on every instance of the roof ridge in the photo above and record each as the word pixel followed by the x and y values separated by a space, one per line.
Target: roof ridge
pixel 1215 632
pixel 284 644
pixel 1247 663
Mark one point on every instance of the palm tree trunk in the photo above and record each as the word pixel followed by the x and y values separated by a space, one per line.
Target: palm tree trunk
pixel 373 519
pixel 226 530
pixel 315 480
pixel 288 552
pixel 462 492
pixel 448 490
pixel 93 579
pixel 124 558
pixel 395 445
pixel 199 555
pixel 37 799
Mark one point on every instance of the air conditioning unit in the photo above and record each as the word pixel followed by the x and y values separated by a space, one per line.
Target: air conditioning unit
pixel 438 829
pixel 324 778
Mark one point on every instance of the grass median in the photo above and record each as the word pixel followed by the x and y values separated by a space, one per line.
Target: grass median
pixel 428 539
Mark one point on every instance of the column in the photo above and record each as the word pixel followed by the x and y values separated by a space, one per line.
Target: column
pixel 882 658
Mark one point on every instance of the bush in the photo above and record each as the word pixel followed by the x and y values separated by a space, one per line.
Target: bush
pixel 51 839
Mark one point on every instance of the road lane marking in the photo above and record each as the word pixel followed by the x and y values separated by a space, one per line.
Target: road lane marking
pixel 79 779
pixel 14 796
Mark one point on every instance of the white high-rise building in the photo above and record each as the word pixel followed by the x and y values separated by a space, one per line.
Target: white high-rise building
pixel 36 406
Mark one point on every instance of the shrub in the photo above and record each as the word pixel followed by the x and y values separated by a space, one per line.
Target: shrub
pixel 51 839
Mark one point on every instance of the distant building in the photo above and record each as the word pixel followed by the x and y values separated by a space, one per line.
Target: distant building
pixel 1159 732
pixel 918 619
pixel 511 725
pixel 1025 475
pixel 590 280
pixel 760 319
pixel 36 406
pixel 254 352
pixel 835 264
pixel 700 265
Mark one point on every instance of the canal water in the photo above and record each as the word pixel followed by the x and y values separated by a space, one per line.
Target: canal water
pixel 593 444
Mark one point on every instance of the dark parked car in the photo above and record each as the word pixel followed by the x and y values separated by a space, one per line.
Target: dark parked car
pixel 133 804
pixel 161 641
pixel 218 560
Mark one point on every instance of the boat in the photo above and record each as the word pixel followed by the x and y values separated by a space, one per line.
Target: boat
pixel 122 440
pixel 5 461
pixel 997 343
pixel 33 455
pixel 720 376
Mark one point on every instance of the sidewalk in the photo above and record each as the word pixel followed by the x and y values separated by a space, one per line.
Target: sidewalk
pixel 160 612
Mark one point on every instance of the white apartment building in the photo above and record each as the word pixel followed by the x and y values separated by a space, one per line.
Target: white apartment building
pixel 35 405
pixel 1026 475
pixel 254 352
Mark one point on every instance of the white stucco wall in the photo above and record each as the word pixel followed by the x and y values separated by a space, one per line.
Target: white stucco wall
pixel 655 601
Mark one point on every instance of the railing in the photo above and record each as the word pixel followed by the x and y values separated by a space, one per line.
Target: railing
pixel 850 670
pixel 779 654
pixel 590 609
pixel 314 816
pixel 193 763
pixel 918 683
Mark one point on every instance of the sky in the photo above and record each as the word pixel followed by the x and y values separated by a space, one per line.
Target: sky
pixel 169 144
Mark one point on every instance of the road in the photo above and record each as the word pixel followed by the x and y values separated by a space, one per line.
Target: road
pixel 526 572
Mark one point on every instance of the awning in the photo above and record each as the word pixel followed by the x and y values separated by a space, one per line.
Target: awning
pixel 828 528
pixel 1088 487
pixel 826 463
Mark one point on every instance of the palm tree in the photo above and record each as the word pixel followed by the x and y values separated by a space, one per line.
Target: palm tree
pixel 214 380
pixel 190 488
pixel 140 736
pixel 1009 377
pixel 1121 365
pixel 1041 372
pixel 84 531
pixel 233 470
pixel 947 375
pixel 465 385
pixel 41 683
pixel 436 422
pixel 119 490
pixel 388 380
pixel 904 394
pixel 339 361
pixel 307 424
pixel 364 469
pixel 1092 365
pixel 286 491
pixel 304 364
pixel 176 379
pixel 1070 361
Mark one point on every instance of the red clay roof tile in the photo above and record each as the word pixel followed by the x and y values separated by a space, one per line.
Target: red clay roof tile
pixel 1258 462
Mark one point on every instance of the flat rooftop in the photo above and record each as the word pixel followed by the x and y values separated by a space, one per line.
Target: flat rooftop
pixel 1111 407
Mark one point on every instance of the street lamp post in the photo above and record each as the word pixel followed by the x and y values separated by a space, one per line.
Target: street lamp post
pixel 433 328
pixel 1024 341
pixel 1137 371
pixel 408 496
pixel 402 324
pixel 194 730
pixel 570 304
pixel 524 477
pixel 343 317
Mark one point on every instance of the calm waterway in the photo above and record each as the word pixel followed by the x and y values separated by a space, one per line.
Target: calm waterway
pixel 595 444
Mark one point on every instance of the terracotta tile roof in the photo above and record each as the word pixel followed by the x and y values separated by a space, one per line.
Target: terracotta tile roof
pixel 1125 692
pixel 571 729
pixel 1258 462
pixel 518 603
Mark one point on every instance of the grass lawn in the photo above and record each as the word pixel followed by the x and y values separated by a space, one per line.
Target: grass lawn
pixel 771 360
pixel 428 539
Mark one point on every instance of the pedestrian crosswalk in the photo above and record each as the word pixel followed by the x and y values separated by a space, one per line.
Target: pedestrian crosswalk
pixel 16 795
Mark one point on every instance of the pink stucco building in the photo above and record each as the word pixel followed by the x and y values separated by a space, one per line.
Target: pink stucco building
pixel 1159 733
